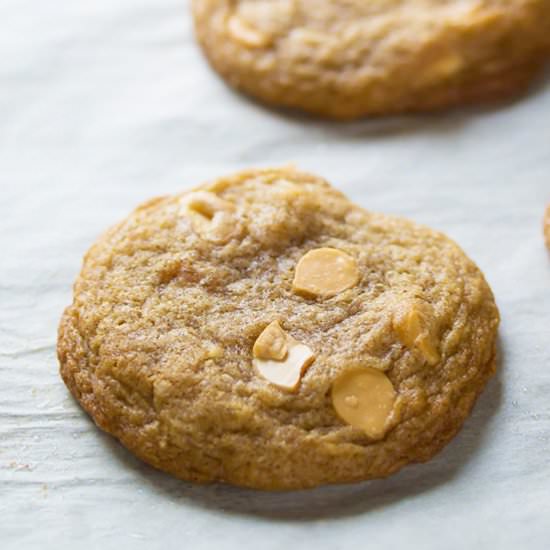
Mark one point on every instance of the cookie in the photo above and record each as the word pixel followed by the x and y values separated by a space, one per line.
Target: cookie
pixel 264 331
pixel 350 58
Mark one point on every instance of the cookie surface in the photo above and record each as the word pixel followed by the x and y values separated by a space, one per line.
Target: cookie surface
pixel 350 58
pixel 264 331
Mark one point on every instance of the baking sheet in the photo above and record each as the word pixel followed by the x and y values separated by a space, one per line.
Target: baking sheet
pixel 104 104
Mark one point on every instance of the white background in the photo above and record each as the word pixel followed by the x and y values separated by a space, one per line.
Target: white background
pixel 106 103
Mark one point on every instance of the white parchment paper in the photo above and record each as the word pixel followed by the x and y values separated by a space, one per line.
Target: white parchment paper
pixel 104 104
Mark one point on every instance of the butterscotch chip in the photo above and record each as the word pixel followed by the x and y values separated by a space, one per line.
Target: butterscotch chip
pixel 444 66
pixel 286 373
pixel 272 343
pixel 346 59
pixel 245 34
pixel 364 399
pixel 414 326
pixel 279 358
pixel 171 344
pixel 211 217
pixel 325 272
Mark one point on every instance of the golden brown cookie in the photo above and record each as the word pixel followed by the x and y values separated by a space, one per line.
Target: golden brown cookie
pixel 350 58
pixel 262 330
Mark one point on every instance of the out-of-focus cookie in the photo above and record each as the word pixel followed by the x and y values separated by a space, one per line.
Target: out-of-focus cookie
pixel 349 58
pixel 547 226
pixel 262 330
